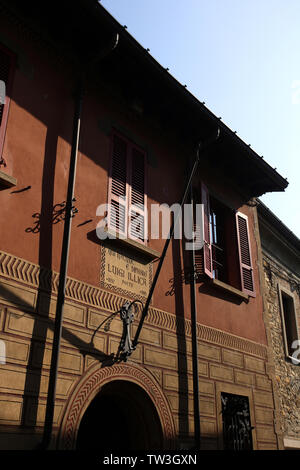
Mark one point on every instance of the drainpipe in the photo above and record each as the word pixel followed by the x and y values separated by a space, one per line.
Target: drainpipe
pixel 196 396
pixel 201 147
pixel 164 252
pixel 48 425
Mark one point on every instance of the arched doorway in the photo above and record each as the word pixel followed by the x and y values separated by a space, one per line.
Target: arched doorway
pixel 139 387
pixel 120 417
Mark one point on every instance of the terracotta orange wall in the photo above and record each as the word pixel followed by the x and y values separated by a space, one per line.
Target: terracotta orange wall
pixel 37 150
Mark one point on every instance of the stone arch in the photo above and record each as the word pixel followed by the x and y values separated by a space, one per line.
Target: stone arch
pixel 90 385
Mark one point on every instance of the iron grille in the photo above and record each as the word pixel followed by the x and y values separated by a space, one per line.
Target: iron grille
pixel 237 429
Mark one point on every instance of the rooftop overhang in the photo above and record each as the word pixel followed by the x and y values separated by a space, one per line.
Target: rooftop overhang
pixel 79 29
pixel 275 225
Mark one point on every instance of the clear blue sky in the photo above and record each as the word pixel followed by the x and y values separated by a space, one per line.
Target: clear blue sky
pixel 242 57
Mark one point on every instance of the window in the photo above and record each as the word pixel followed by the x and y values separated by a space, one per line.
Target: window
pixel 6 72
pixel 127 214
pixel 226 254
pixel 289 321
pixel 218 240
pixel 237 429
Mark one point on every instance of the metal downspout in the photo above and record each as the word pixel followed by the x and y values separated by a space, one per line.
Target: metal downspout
pixel 48 424
pixel 196 396
pixel 201 147
pixel 164 252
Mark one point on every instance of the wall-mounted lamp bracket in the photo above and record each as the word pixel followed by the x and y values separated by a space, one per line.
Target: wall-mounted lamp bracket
pixel 127 316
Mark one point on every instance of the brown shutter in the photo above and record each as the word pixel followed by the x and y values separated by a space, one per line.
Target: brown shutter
pixel 198 246
pixel 199 260
pixel 6 71
pixel 246 268
pixel 207 252
pixel 137 229
pixel 118 186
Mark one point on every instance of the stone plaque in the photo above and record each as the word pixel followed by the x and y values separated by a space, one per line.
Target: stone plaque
pixel 125 274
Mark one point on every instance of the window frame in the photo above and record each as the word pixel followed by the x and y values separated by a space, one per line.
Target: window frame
pixel 234 418
pixel 207 199
pixel 219 251
pixel 129 207
pixel 290 295
pixel 222 387
pixel 8 89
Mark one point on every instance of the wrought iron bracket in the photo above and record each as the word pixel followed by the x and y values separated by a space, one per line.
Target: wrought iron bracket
pixel 127 316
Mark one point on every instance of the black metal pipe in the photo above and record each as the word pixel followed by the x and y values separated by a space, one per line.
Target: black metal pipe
pixel 48 426
pixel 164 252
pixel 214 137
pixel 196 396
pixel 171 233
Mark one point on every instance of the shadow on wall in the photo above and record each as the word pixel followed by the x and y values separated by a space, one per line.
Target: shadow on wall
pixel 183 405
pixel 9 441
pixel 59 125
pixel 58 215
pixel 42 323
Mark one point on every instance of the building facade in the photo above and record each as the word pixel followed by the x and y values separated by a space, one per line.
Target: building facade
pixel 138 138
pixel 281 260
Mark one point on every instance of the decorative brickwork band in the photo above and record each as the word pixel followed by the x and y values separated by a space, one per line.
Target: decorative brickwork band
pixel 17 269
pixel 90 385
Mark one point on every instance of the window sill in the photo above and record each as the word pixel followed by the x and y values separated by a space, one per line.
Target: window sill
pixel 7 181
pixel 133 245
pixel 231 290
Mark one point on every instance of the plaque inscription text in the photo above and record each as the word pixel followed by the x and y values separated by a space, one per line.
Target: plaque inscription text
pixel 125 274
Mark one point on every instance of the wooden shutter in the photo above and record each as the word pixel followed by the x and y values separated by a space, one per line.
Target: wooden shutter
pixel 198 231
pixel 207 252
pixel 199 259
pixel 246 268
pixel 118 187
pixel 6 69
pixel 137 229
